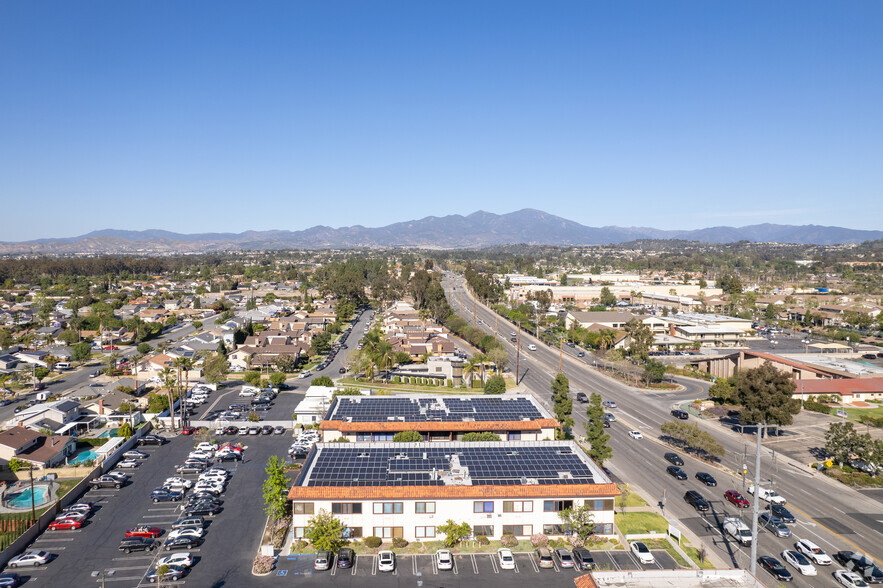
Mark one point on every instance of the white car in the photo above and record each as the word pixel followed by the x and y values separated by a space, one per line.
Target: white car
pixel 206 446
pixel 199 454
pixel 636 435
pixel 444 560
pixel 129 464
pixel 183 559
pixel 196 532
pixel 209 485
pixel 813 552
pixel 245 392
pixel 307 374
pixel 799 561
pixel 505 559
pixel 217 479
pixel 386 561
pixel 643 554
pixel 179 480
pixel 850 579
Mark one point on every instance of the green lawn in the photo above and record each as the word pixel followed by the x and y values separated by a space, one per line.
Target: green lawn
pixel 856 413
pixel 640 522
pixel 633 499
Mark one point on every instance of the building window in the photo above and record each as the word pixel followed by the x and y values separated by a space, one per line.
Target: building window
pixel 518 530
pixel 388 532
pixel 299 532
pixel 424 507
pixel 606 504
pixel 346 507
pixel 302 507
pixel 383 436
pixel 352 533
pixel 603 529
pixel 387 508
pixel 480 506
pixel 424 532
pixel 363 436
pixel 517 506
pixel 514 435
pixel 486 530
pixel 556 505
pixel 553 529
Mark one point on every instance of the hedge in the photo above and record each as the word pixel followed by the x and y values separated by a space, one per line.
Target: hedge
pixel 816 407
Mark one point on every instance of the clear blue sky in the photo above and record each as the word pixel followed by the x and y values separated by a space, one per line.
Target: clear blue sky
pixel 226 116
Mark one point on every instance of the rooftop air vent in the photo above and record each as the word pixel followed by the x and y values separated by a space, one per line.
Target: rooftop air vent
pixel 362 454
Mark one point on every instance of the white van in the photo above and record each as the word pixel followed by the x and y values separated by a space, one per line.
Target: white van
pixel 531 347
pixel 62 365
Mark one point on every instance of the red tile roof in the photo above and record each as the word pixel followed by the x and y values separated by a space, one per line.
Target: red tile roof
pixel 844 386
pixel 300 493
pixel 585 581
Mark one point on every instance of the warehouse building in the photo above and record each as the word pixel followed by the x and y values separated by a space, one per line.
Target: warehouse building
pixel 408 490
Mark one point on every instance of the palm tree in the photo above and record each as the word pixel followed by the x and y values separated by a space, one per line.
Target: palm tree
pixel 168 377
pixel 469 368
pixel 386 356
pixel 482 360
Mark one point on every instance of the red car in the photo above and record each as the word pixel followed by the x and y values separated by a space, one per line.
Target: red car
pixel 60 524
pixel 736 498
pixel 144 531
pixel 110 347
pixel 190 430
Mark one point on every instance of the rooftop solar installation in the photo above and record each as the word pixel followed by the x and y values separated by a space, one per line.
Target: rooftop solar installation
pixel 366 409
pixel 421 464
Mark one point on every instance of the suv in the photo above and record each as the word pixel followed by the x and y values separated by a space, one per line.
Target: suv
pixel 773 524
pixel 107 482
pixel 345 557
pixel 681 414
pixel 673 458
pixel 130 544
pixel 581 397
pixel 582 559
pixel 695 499
pixel 323 560
pixel 544 557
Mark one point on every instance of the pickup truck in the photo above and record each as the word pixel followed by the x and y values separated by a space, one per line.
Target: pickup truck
pixel 106 482
pixel 737 530
pixel 767 494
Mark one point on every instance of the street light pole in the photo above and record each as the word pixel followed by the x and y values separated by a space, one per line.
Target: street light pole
pixel 753 563
pixel 518 353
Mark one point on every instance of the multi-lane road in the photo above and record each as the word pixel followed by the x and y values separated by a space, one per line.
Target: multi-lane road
pixel 828 513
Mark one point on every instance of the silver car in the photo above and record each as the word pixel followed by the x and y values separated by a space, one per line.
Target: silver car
pixel 30 558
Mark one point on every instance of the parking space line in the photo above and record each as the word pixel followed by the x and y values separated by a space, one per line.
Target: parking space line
pixel 456 570
pixel 493 564
pixel 355 565
pixel 374 566
pixel 613 561
pixel 536 567
pixel 45 537
pixel 414 564
pixel 474 564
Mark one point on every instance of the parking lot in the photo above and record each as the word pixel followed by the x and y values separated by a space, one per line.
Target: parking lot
pixel 231 541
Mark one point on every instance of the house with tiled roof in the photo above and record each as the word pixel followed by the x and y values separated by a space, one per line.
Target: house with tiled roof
pixel 408 490
pixel 43 451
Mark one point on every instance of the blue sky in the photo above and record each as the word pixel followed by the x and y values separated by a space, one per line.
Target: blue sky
pixel 228 116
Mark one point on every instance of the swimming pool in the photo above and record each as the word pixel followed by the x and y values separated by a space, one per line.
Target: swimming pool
pixel 83 456
pixel 23 498
pixel 109 433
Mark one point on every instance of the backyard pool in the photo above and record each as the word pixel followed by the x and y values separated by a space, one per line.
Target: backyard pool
pixel 23 498
pixel 83 456
pixel 108 433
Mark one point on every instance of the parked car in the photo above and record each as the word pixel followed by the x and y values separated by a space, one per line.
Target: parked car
pixel 583 559
pixel 130 544
pixel 191 468
pixel 10 579
pixel 30 558
pixel 195 531
pixel 135 454
pixel 129 464
pixel 676 472
pixel 346 557
pixel 386 561
pixel 189 430
pixel 673 458
pixel 170 574
pixel 323 560
pixel 229 456
pixel 151 440
pixel 800 562
pixel 736 498
pixel 65 524
pixel 144 531
pixel 706 478
pixel 181 543
pixel 505 559
pixel 813 552
pixel 642 552
pixel 166 495
pixel 106 481
pixel 544 557
pixel 184 522
pixel 279 430
pixel 444 560
pixel 775 567
pixel 182 560
pixel 564 557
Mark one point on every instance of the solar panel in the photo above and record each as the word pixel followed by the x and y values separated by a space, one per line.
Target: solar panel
pixel 362 409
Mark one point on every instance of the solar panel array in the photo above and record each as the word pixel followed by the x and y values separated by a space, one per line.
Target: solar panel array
pixel 501 465
pixel 369 410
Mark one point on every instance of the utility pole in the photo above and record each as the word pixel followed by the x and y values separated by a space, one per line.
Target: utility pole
pixel 753 564
pixel 560 353
pixel 517 353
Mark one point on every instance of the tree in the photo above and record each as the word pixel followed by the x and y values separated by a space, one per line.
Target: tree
pixel 595 435
pixel 6 340
pixel 125 430
pixel 607 297
pixel 654 371
pixel 483 436
pixel 252 377
pixel 640 338
pixel 580 521
pixel 495 385
pixel 722 390
pixel 325 531
pixel 562 404
pixel 841 441
pixel 144 348
pixel 322 381
pixel 15 464
pixel 275 488
pixel 41 373
pixel 765 395
pixel 730 284
pixel 277 379
pixel 285 363
pixel 68 337
pixel 346 392
pixel 407 437
pixel 454 533
pixel 320 344
pixel 214 368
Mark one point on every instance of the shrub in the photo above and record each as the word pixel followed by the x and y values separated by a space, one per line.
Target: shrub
pixel 539 540
pixel 399 543
pixel 373 542
pixel 263 564
pixel 483 540
pixel 508 541
pixel 301 545
pixel 450 383
pixel 816 407
pixel 575 540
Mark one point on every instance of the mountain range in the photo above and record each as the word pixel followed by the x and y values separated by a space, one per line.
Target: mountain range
pixel 480 229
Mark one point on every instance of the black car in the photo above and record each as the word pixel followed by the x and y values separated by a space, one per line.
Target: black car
pixel 582 559
pixel 151 440
pixel 230 456
pixel 861 565
pixel 181 543
pixel 676 472
pixel 777 510
pixel 695 499
pixel 202 509
pixel 130 544
pixel 165 495
pixel 345 558
pixel 775 567
pixel 581 397
pixel 106 482
pixel 706 479
pixel 681 414
pixel 673 458
pixel 203 498
pixel 341 370
pixel 262 407
pixel 231 430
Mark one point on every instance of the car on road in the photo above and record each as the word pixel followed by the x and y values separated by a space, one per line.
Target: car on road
pixel 341 370
pixel 144 531
pixel 636 434
pixel 849 579
pixel 170 574
pixel 676 472
pixel 30 558
pixel 736 499
pixel 706 478
pixel 696 500
pixel 861 565
pixel 775 567
pixel 564 557
pixel 813 552
pixel 608 404
pixel 773 524
pixel 780 511
pixel 386 561
pixel 581 397
pixel 130 544
pixel 680 414
pixel 610 417
pixel 129 464
pixel 305 374
pixel 767 494
pixel 800 562
pixel 345 557
pixel 583 559
pixel 581 354
pixel 135 454
pixel 444 560
pixel 106 481
pixel 323 560
pixel 673 458
pixel 65 524
pixel 642 552
pixel 505 559
pixel 544 557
